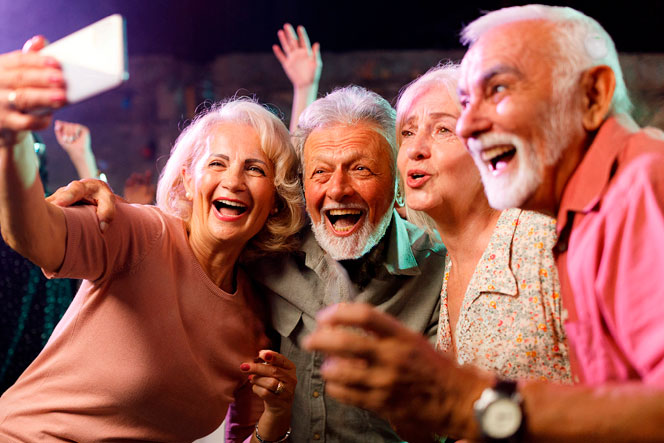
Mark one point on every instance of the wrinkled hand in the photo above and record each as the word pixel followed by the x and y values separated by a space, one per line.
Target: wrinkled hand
pixel 375 362
pixel 267 373
pixel 73 137
pixel 91 191
pixel 301 61
pixel 31 86
pixel 139 188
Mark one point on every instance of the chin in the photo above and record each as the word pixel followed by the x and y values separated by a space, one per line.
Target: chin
pixel 353 246
pixel 511 190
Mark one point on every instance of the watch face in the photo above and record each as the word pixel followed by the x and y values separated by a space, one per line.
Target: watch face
pixel 501 419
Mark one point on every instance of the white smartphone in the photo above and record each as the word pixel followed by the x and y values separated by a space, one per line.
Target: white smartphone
pixel 93 59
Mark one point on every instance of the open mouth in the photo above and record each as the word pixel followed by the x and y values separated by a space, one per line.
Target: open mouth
pixel 229 208
pixel 498 156
pixel 344 220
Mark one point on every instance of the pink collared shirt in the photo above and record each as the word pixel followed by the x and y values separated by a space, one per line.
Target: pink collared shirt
pixel 611 258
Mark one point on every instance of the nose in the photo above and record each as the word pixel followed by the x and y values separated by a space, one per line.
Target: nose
pixel 473 121
pixel 339 186
pixel 420 147
pixel 233 178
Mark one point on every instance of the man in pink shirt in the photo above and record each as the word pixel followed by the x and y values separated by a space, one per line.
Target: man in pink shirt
pixel 545 118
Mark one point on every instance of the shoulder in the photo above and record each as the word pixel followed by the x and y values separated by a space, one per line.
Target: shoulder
pixel 418 239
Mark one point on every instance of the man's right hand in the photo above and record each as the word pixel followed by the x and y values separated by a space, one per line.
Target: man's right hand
pixel 90 191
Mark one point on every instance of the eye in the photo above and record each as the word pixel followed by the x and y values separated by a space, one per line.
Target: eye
pixel 256 170
pixel 215 163
pixel 442 130
pixel 498 88
pixel 406 133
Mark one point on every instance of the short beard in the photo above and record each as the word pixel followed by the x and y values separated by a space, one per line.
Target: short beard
pixel 355 245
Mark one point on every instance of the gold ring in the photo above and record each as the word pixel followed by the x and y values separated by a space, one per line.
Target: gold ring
pixel 11 100
pixel 280 389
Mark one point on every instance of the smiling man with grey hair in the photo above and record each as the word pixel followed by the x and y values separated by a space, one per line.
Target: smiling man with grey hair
pixel 545 118
pixel 347 145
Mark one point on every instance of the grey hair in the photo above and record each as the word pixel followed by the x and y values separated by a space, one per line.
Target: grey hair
pixel 278 234
pixel 582 44
pixel 445 74
pixel 348 106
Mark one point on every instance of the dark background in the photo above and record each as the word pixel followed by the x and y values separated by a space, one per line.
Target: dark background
pixel 198 30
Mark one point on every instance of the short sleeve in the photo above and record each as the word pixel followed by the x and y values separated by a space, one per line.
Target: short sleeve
pixel 93 255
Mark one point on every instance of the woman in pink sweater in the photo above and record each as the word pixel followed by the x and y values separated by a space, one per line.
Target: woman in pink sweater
pixel 165 337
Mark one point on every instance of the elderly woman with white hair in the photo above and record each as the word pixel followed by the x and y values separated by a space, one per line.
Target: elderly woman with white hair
pixel 165 335
pixel 500 302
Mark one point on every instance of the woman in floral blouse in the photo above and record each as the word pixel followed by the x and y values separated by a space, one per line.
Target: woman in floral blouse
pixel 500 303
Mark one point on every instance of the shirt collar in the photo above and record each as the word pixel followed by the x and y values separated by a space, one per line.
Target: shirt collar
pixel 496 257
pixel 400 259
pixel 590 180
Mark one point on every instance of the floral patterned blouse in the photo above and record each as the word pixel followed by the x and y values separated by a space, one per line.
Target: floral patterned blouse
pixel 510 320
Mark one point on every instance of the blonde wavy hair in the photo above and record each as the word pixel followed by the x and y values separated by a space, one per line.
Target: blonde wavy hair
pixel 278 234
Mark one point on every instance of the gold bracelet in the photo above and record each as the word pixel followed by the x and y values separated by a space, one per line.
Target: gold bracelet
pixel 282 439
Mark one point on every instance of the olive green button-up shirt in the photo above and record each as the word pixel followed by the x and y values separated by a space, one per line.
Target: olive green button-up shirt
pixel 402 276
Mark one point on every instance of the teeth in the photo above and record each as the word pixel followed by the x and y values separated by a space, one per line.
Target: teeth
pixel 347 228
pixel 336 212
pixel 491 153
pixel 231 203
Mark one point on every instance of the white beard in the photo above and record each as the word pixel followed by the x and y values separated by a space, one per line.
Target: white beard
pixel 513 190
pixel 355 245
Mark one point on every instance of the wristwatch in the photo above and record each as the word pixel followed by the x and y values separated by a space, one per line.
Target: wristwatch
pixel 499 412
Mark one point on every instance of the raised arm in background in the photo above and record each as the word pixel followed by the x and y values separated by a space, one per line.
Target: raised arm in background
pixel 302 64
pixel 74 138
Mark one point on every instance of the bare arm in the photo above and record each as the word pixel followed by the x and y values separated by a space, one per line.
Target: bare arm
pixel 32 227
pixel 396 373
pixel 302 64
pixel 74 138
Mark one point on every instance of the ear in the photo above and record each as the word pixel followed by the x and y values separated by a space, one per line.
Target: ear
pixel 598 84
pixel 188 183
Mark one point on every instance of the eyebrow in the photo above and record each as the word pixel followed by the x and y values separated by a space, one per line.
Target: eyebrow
pixel 494 71
pixel 435 115
pixel 247 161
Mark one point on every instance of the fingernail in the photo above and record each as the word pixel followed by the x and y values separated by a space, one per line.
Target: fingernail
pixel 103 226
pixel 50 61
pixel 58 97
pixel 268 357
pixel 56 79
pixel 244 366
pixel 251 378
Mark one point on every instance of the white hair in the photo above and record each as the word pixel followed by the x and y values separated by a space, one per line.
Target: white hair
pixel 445 74
pixel 581 40
pixel 348 106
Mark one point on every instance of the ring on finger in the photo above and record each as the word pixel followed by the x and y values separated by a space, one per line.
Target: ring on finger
pixel 11 100
pixel 280 388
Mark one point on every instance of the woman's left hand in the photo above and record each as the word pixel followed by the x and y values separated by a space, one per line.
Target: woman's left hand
pixel 273 378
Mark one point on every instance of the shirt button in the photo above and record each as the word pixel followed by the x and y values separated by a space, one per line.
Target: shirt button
pixel 315 394
pixel 316 436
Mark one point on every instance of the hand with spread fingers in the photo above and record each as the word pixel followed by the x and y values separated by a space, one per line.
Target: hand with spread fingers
pixel 273 378
pixel 375 362
pixel 31 86
pixel 302 64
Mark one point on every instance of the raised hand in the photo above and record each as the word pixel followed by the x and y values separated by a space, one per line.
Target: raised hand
pixel 74 138
pixel 302 64
pixel 300 60
pixel 31 85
